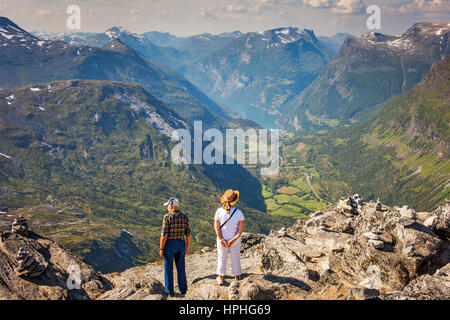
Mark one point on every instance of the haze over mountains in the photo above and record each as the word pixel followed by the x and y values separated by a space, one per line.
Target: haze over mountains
pixel 85 123
pixel 271 69
pixel 262 69
pixel 26 59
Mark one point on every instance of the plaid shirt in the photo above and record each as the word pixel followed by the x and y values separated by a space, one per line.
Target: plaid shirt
pixel 175 225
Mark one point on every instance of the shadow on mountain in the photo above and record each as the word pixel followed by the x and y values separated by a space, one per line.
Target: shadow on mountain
pixel 234 176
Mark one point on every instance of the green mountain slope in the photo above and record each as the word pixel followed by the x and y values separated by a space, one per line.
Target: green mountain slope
pixel 401 155
pixel 89 162
pixel 368 71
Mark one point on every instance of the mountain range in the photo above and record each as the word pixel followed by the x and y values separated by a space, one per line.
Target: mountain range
pixel 262 69
pixel 368 71
pixel 25 59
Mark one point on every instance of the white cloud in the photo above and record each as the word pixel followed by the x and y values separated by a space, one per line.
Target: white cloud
pixel 236 9
pixel 349 7
pixel 420 6
pixel 319 3
pixel 338 6
pixel 45 12
pixel 3 7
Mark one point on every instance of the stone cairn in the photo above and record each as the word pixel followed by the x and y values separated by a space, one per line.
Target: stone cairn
pixel 378 205
pixel 351 204
pixel 28 266
pixel 20 226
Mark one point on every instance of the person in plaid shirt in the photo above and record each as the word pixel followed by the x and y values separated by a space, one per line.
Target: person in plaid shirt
pixel 173 246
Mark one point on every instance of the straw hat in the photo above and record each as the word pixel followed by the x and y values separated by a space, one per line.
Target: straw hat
pixel 229 199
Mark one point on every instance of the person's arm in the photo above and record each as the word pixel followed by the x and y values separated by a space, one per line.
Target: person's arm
pixel 162 244
pixel 219 232
pixel 188 236
pixel 241 228
pixel 188 242
pixel 163 239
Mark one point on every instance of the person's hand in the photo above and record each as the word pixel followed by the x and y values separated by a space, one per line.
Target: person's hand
pixel 161 253
pixel 223 243
pixel 230 243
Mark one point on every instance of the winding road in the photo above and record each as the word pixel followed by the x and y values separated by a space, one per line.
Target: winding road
pixel 308 176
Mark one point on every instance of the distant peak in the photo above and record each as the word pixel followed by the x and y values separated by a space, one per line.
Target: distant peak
pixel 117 30
pixel 6 23
pixel 115 45
pixel 236 33
pixel 286 35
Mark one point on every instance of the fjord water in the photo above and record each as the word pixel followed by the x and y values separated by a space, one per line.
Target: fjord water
pixel 246 111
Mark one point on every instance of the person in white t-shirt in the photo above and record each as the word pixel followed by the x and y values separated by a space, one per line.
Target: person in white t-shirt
pixel 229 226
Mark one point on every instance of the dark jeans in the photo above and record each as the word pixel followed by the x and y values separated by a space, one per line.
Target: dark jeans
pixel 175 249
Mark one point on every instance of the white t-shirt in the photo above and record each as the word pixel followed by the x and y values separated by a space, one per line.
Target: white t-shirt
pixel 230 229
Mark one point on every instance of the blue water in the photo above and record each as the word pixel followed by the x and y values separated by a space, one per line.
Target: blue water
pixel 260 116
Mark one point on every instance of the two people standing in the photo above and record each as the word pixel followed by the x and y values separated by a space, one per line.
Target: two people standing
pixel 229 226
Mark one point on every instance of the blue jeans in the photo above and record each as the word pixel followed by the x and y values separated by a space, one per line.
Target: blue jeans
pixel 175 249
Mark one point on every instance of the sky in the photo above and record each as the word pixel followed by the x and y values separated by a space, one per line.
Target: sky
pixel 189 17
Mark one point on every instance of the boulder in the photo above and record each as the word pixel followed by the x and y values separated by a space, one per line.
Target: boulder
pixel 250 241
pixel 280 258
pixel 407 212
pixel 207 289
pixel 134 284
pixel 425 287
pixel 442 223
pixel 267 287
pixel 358 293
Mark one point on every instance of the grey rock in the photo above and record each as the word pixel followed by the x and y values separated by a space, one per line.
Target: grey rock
pixel 359 293
pixel 371 235
pixel 268 287
pixel 377 244
pixel 407 212
pixel 425 287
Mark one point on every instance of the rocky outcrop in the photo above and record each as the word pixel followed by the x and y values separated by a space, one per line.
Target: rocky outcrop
pixel 365 246
pixel 35 268
pixel 131 285
pixel 367 251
